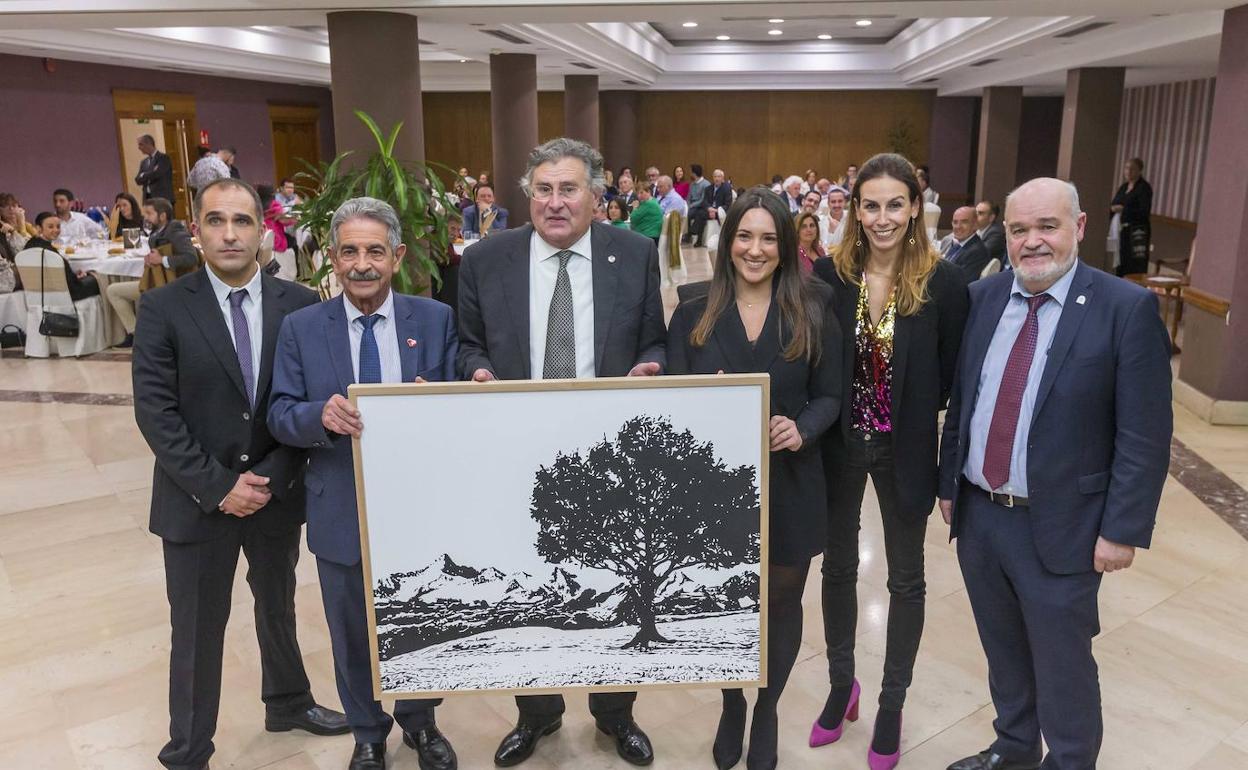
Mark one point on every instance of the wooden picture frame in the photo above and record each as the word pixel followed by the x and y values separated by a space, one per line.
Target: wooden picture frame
pixel 461 456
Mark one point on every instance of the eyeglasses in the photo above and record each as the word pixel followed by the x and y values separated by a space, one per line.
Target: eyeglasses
pixel 544 192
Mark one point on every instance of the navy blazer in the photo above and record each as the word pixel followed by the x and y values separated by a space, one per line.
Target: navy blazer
pixel 1099 444
pixel 472 222
pixel 313 362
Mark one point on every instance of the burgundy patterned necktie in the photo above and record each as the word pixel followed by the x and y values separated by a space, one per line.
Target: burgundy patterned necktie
pixel 1000 445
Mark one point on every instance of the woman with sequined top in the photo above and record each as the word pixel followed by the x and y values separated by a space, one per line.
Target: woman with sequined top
pixel 901 310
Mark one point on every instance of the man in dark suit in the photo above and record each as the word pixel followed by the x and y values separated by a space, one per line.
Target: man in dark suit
pixel 990 230
pixel 965 249
pixel 182 259
pixel 483 218
pixel 368 334
pixel 564 297
pixel 1055 449
pixel 155 171
pixel 203 358
pixel 719 196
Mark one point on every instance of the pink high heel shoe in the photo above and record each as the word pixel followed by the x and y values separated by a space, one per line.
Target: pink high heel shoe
pixel 822 736
pixel 885 761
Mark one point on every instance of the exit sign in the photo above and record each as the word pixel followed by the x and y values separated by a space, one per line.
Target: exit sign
pixel 158 107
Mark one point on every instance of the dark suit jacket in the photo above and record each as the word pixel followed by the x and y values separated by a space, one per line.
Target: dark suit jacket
pixel 494 304
pixel 313 362
pixel 719 198
pixel 809 394
pixel 1099 443
pixel 175 234
pixel 972 258
pixel 156 176
pixel 472 223
pixel 994 241
pixel 925 352
pixel 191 407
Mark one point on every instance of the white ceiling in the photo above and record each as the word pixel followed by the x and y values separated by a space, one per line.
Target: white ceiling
pixel 954 46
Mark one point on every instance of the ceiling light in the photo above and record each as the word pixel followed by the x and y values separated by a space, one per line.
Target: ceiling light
pixel 722 37
pixel 775 21
pixel 863 22
pixel 825 37
pixel 461 61
pixel 775 32
pixel 690 24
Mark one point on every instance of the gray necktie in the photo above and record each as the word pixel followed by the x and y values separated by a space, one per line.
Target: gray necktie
pixel 242 341
pixel 560 363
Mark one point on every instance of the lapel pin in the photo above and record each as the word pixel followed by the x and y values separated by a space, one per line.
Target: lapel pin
pixel 611 258
pixel 411 343
pixel 1080 299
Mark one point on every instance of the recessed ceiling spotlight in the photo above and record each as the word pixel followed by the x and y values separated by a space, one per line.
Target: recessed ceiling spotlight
pixel 690 24
pixel 825 37
pixel 775 32
pixel 863 22
pixel 775 21
pixel 722 37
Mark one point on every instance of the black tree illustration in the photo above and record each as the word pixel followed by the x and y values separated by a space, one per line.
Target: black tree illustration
pixel 649 503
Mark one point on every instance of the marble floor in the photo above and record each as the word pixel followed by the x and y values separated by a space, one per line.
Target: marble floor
pixel 84 638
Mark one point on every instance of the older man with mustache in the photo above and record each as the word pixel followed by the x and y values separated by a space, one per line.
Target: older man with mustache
pixel 369 334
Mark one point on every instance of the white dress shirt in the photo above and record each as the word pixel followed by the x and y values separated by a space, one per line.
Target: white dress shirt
pixel 251 308
pixel 543 271
pixel 79 226
pixel 385 331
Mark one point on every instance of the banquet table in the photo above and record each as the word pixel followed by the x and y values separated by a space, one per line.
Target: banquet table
pixel 108 268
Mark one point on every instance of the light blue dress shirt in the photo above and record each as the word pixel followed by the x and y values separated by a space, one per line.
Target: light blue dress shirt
pixel 990 374
pixel 251 309
pixel 385 331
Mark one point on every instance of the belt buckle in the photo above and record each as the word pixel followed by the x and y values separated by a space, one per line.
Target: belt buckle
pixel 1009 501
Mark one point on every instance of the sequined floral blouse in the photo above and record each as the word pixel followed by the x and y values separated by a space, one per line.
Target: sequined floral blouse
pixel 871 405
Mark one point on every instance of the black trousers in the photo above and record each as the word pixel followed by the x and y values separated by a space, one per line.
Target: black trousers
pixel 1036 628
pixel 848 465
pixel 199 579
pixel 342 590
pixel 606 707
pixel 697 222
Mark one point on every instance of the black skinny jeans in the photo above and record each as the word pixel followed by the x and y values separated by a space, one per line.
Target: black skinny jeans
pixel 871 454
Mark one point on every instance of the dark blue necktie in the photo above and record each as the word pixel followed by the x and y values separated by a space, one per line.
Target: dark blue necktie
pixel 242 341
pixel 370 358
pixel 952 253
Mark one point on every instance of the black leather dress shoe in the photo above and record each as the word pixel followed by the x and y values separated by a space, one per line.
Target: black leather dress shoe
pixel 368 756
pixel 317 720
pixel 990 760
pixel 630 742
pixel 432 748
pixel 518 744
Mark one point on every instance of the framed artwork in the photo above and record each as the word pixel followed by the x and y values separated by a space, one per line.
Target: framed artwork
pixel 542 536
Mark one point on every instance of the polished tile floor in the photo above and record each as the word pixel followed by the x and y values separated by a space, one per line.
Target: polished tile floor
pixel 84 638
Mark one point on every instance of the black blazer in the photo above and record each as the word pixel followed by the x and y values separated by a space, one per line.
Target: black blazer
pixel 1099 443
pixel 191 406
pixel 156 176
pixel 972 258
pixel 721 198
pixel 809 394
pixel 494 303
pixel 176 235
pixel 925 353
pixel 994 241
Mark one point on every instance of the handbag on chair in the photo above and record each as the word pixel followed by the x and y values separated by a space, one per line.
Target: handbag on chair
pixel 54 324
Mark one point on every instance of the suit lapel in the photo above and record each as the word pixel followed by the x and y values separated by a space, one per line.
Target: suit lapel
pixel 770 339
pixel 272 311
pixel 206 314
pixel 903 331
pixel 730 336
pixel 605 279
pixel 339 342
pixel 980 339
pixel 515 280
pixel 406 329
pixel 1068 324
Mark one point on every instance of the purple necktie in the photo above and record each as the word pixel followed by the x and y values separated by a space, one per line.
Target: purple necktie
pixel 1000 445
pixel 242 341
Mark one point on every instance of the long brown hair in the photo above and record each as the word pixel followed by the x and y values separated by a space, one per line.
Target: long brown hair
pixel 800 310
pixel 918 257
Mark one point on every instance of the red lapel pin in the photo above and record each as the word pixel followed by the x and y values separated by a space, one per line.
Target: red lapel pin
pixel 411 343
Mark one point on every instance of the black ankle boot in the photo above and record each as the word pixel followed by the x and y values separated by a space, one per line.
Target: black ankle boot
pixel 726 751
pixel 764 730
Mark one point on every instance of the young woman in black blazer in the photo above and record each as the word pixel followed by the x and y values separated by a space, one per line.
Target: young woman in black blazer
pixel 761 315
pixel 901 310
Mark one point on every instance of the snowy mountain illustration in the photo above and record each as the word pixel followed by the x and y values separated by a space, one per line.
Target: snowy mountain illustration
pixel 445 600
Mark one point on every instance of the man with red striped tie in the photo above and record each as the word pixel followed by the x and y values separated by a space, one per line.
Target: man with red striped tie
pixel 1055 450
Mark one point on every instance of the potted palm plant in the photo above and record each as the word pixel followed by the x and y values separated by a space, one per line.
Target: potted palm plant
pixel 413 189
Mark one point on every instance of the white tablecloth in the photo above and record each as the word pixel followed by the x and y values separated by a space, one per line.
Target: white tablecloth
pixel 129 265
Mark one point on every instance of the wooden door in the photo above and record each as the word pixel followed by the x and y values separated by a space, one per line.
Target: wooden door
pixel 177 142
pixel 177 113
pixel 296 138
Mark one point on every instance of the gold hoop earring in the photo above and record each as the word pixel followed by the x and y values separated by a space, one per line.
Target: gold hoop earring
pixel 912 226
pixel 858 238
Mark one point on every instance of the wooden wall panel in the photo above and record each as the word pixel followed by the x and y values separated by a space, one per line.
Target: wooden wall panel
pixel 549 115
pixel 457 129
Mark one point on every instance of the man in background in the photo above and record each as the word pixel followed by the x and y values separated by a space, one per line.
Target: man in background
pixel 155 171
pixel 164 229
pixel 75 226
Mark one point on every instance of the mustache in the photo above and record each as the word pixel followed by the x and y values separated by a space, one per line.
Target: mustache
pixel 367 275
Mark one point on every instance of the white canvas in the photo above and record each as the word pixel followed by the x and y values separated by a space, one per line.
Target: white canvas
pixel 456 506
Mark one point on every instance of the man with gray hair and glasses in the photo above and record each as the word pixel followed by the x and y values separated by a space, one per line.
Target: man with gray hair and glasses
pixel 564 297
pixel 368 334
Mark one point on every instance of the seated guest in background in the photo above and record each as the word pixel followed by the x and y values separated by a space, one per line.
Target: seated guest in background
pixel 836 200
pixel 448 292
pixel 211 167
pixel 75 226
pixel 286 194
pixel 275 218
pixel 809 239
pixel 760 315
pixel 823 186
pixel 483 217
pixel 812 202
pixel 365 326
pixel 777 185
pixel 698 204
pixel 81 285
pixel 990 231
pixel 652 180
pixel 809 180
pixel 13 224
pixel 128 214
pixel 965 249
pixel 680 183
pixel 647 218
pixel 483 178
pixel 792 194
pixel 600 212
pixel 851 176
pixel 617 212
pixel 611 190
pixel 922 174
pixel 626 193
pixel 668 200
pixel 155 172
pixel 164 229
pixel 720 194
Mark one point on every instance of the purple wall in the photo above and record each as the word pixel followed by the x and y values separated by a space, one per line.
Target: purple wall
pixel 59 130
pixel 1039 137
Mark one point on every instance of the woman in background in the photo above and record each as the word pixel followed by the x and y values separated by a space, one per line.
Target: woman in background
pixel 129 215
pixel 809 247
pixel 680 183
